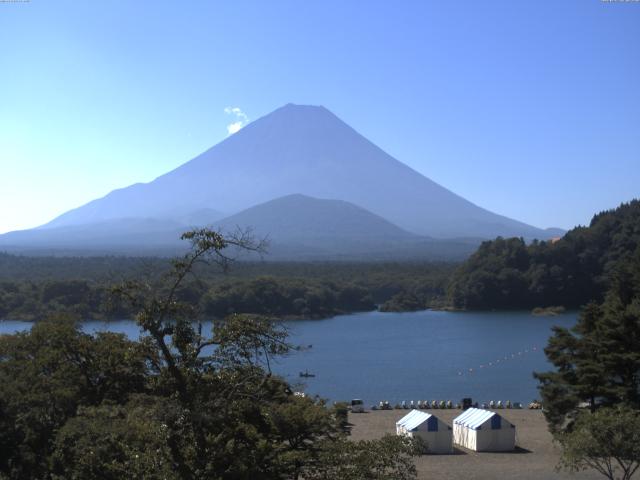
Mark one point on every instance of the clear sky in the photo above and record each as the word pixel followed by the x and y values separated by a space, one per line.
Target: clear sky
pixel 528 108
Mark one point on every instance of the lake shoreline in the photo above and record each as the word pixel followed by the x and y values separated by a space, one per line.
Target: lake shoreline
pixel 399 357
pixel 536 312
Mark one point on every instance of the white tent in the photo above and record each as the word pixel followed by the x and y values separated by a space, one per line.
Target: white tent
pixel 435 433
pixel 483 431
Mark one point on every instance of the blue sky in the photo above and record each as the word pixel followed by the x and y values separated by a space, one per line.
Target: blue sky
pixel 529 108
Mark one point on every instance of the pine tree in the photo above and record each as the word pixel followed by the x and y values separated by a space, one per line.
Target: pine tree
pixel 597 361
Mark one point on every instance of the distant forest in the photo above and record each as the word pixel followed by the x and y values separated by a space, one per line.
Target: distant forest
pixel 501 274
pixel 33 287
pixel 570 272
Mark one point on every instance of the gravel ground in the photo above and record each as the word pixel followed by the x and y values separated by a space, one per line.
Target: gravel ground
pixel 535 457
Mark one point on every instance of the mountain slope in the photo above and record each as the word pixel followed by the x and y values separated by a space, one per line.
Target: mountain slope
pixel 302 149
pixel 305 228
pixel 114 236
pixel 299 218
pixel 297 227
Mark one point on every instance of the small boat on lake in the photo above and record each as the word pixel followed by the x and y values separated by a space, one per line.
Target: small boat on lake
pixel 306 374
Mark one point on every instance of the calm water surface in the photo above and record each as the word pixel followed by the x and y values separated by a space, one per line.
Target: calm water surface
pixel 408 356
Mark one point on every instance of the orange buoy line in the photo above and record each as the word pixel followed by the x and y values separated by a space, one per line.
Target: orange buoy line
pixel 504 359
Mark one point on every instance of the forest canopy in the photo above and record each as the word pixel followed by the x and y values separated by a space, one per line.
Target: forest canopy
pixel 505 273
pixel 32 287
pixel 570 271
pixel 183 402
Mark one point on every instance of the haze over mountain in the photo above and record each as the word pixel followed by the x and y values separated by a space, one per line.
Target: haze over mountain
pixel 296 149
pixel 310 220
pixel 131 236
pixel 302 227
pixel 297 227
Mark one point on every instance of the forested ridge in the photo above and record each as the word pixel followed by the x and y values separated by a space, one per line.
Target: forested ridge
pixel 501 274
pixel 571 271
pixel 31 287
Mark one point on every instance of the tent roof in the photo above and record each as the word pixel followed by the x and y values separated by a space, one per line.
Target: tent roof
pixel 473 418
pixel 408 416
pixel 413 419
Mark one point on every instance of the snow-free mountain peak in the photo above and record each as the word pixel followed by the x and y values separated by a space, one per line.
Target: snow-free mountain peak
pixel 308 150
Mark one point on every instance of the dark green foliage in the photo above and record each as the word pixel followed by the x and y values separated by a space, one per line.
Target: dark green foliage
pixel 28 301
pixel 293 290
pixel 112 441
pixel 494 276
pixel 592 398
pixel 281 297
pixel 341 413
pixel 105 269
pixel 403 302
pixel 182 403
pixel 607 441
pixel 548 311
pixel 597 361
pixel 389 458
pixel 46 374
pixel 507 273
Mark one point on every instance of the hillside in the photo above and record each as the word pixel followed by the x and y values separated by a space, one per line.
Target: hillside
pixel 297 227
pixel 306 219
pixel 306 228
pixel 508 273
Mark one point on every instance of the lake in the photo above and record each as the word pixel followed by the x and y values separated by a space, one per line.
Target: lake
pixel 408 356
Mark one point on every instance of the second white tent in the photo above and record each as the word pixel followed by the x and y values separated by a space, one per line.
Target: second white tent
pixel 483 431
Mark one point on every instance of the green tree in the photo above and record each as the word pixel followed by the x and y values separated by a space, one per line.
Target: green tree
pixel 112 442
pixel 183 402
pixel 232 418
pixel 388 458
pixel 46 374
pixel 570 272
pixel 598 360
pixel 607 441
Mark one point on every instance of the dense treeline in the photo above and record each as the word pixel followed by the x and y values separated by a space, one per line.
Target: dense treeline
pixel 106 407
pixel 503 273
pixel 112 269
pixel 264 295
pixel 100 269
pixel 576 269
pixel 31 287
pixel 29 300
pixel 597 361
pixel 184 402
pixel 278 297
pixel 592 396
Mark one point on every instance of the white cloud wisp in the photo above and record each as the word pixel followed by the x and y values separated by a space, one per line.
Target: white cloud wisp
pixel 241 119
